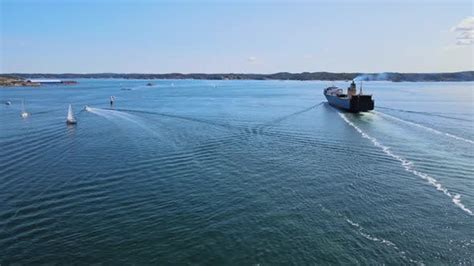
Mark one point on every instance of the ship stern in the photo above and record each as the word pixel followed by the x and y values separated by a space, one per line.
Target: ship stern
pixel 361 103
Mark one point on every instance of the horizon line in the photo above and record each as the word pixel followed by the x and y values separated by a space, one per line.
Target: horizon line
pixel 217 73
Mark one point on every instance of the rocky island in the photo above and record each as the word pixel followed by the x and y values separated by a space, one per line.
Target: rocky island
pixel 16 82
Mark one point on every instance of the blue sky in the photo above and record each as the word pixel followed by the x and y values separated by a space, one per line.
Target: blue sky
pixel 235 36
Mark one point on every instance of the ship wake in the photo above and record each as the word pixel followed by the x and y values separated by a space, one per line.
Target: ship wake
pixel 364 233
pixel 409 167
pixel 361 230
pixel 426 113
pixel 260 128
pixel 432 130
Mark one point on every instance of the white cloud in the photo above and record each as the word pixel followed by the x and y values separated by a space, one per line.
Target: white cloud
pixel 465 31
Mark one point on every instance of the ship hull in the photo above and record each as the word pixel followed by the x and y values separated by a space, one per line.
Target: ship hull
pixel 357 103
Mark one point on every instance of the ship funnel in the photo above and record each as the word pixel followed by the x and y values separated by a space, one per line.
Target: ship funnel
pixel 352 90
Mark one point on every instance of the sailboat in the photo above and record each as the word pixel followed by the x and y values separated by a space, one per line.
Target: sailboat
pixel 70 117
pixel 24 113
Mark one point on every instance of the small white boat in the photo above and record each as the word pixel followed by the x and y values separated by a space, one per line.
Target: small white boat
pixel 24 113
pixel 70 117
pixel 8 103
pixel 87 108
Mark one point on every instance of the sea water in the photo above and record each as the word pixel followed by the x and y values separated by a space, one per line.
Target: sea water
pixel 236 172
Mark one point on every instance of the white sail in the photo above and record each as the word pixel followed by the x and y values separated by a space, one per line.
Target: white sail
pixel 70 116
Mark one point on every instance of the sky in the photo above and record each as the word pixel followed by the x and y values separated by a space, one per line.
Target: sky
pixel 151 36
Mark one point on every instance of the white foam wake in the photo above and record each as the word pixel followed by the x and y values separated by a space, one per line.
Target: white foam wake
pixel 109 114
pixel 370 237
pixel 408 165
pixel 386 242
pixel 426 128
pixel 362 232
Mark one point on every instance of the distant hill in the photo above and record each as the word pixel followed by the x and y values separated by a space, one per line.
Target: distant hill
pixel 390 76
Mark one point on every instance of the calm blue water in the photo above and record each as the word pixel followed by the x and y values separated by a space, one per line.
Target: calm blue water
pixel 236 172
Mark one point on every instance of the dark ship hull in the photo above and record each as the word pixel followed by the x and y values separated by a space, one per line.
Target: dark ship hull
pixel 357 103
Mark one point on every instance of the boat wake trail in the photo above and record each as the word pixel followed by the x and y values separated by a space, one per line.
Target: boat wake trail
pixel 425 128
pixel 108 113
pixel 188 118
pixel 291 115
pixel 364 233
pixel 426 113
pixel 408 165
pixel 111 114
pixel 260 128
pixel 386 242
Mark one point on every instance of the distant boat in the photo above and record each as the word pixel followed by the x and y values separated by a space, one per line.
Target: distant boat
pixel 87 108
pixel 149 84
pixel 8 103
pixel 70 117
pixel 24 113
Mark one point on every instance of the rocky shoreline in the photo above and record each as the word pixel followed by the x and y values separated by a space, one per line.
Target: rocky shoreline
pixel 16 82
pixel 12 81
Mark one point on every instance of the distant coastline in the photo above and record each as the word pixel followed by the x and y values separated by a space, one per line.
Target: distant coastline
pixel 15 81
pixel 388 76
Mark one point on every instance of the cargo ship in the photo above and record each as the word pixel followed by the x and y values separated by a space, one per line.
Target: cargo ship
pixel 351 102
